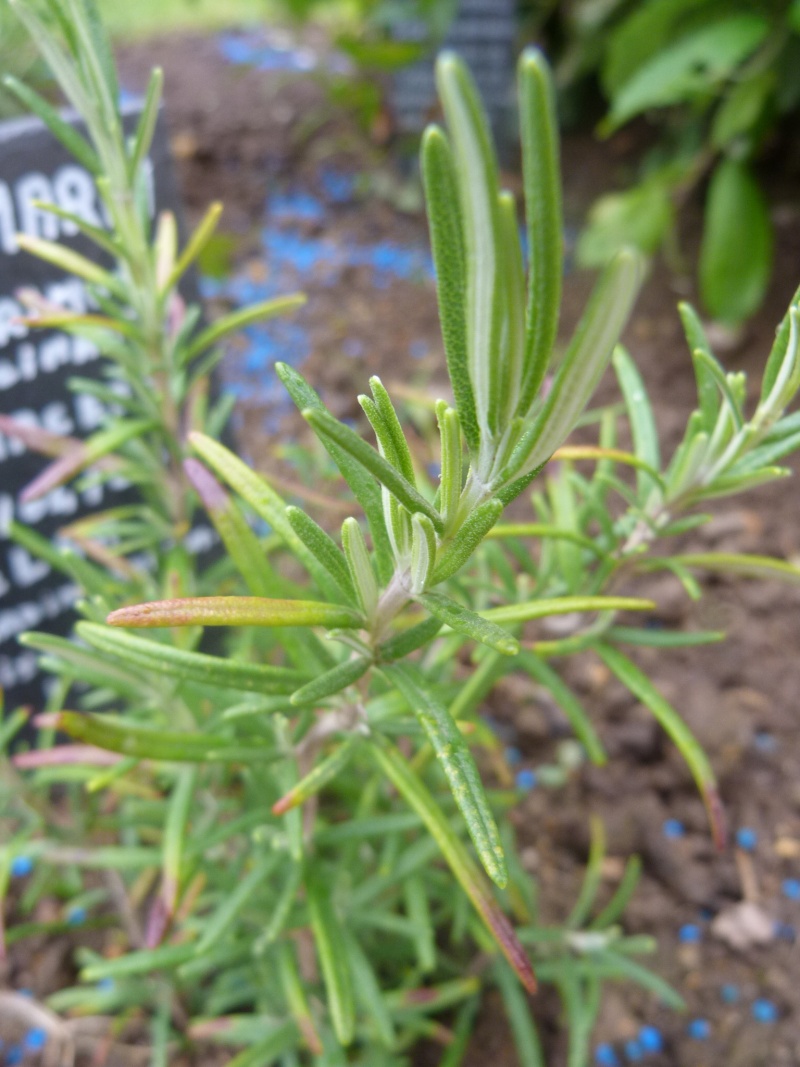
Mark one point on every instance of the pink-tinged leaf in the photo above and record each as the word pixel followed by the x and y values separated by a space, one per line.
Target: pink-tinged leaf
pixel 64 755
pixel 56 473
pixel 38 440
pixel 211 493
pixel 236 611
pixel 158 920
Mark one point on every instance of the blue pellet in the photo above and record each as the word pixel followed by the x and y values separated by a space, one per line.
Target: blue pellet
pixel 526 780
pixel 674 828
pixel 605 1056
pixel 76 916
pixel 513 755
pixel 746 838
pixel 690 934
pixel 730 993
pixel 764 1011
pixel 105 985
pixel 14 1055
pixel 785 932
pixel 791 888
pixel 651 1039
pixel 764 741
pixel 35 1039
pixel 699 1029
pixel 20 866
pixel 633 1051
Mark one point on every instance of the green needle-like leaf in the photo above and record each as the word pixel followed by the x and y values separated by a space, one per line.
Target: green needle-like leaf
pixel 144 742
pixel 696 759
pixel 236 611
pixel 332 953
pixel 454 554
pixel 327 426
pixel 565 605
pixel 583 364
pixel 447 244
pixel 196 667
pixel 469 623
pixel 323 547
pixel 640 416
pixel 366 492
pixel 408 784
pixel 325 771
pixel 237 320
pixel 542 177
pixel 332 681
pixel 479 191
pixel 456 759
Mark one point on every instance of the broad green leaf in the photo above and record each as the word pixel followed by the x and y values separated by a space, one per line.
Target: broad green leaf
pixel 360 481
pixel 459 767
pixel 196 667
pixel 470 877
pixel 331 682
pixel 144 742
pixel 742 107
pixel 542 180
pixel 329 938
pixel 639 217
pixel 469 623
pixel 476 169
pixel 447 244
pixel 565 605
pixel 736 253
pixel 672 723
pixel 327 426
pixel 583 364
pixel 688 68
pixel 317 778
pixel 454 552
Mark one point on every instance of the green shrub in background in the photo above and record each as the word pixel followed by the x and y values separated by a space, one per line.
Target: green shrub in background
pixel 716 77
pixel 286 830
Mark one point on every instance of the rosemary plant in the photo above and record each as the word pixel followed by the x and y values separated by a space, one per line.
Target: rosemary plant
pixel 277 804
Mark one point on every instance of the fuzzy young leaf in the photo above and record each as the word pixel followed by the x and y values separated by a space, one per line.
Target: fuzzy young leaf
pixel 454 554
pixel 640 416
pixel 323 547
pixel 423 552
pixel 358 561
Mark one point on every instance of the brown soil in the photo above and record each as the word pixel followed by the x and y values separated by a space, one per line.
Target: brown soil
pixel 235 133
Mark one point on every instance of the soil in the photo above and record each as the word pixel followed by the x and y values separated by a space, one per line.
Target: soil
pixel 243 135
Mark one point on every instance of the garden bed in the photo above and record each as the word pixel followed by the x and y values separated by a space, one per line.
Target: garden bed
pixel 304 210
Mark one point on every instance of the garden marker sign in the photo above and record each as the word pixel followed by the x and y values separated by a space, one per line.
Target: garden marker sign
pixel 484 34
pixel 35 366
